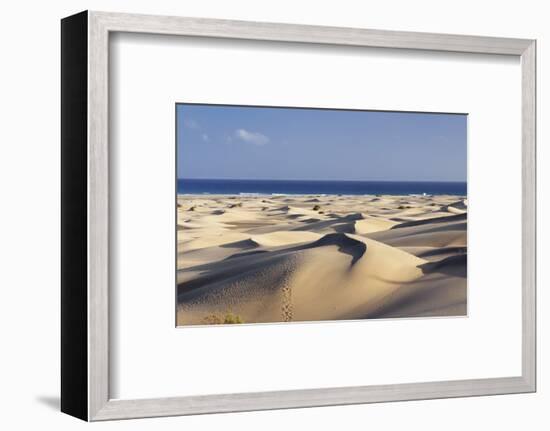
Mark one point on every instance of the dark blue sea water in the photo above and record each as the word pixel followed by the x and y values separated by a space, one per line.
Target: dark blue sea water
pixel 272 187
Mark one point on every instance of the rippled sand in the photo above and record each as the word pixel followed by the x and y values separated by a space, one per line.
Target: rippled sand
pixel 307 258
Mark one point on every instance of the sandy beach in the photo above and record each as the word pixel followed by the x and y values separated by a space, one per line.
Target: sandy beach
pixel 252 259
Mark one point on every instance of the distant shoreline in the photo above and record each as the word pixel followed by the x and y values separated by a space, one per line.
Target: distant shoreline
pixel 309 195
pixel 318 187
pixel 320 181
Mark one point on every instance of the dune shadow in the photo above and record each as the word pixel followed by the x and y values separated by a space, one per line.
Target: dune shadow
pixel 294 216
pixel 444 219
pixel 453 265
pixel 356 249
pixel 436 251
pixel 409 301
pixel 245 244
pixel 239 263
pixel 246 253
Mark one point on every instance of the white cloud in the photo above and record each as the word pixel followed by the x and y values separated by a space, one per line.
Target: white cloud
pixel 251 137
pixel 190 123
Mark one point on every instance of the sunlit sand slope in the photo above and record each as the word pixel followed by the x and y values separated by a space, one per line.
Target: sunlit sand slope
pixel 307 258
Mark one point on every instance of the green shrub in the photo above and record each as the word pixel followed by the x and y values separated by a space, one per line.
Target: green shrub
pixel 228 319
pixel 231 318
pixel 212 319
pixel 316 208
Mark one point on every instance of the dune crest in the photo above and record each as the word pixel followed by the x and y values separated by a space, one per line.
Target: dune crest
pixel 304 258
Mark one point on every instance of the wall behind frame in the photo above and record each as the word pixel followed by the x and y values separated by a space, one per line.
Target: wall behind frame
pixel 29 174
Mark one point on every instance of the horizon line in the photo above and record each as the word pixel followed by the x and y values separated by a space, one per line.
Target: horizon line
pixel 318 180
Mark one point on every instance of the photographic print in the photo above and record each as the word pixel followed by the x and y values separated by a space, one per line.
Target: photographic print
pixel 305 214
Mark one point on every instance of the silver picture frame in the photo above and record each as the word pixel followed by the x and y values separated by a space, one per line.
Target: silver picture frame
pixel 85 215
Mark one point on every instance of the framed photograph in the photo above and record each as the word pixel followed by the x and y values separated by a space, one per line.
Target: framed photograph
pixel 276 222
pixel 264 216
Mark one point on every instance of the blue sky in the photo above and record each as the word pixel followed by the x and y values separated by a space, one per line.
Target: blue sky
pixel 237 142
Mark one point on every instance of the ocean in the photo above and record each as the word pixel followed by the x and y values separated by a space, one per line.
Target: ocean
pixel 282 187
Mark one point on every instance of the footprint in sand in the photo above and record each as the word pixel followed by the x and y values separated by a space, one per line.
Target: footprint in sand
pixel 286 307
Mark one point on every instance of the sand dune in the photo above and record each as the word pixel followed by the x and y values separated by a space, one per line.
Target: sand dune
pixel 302 258
pixel 285 238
